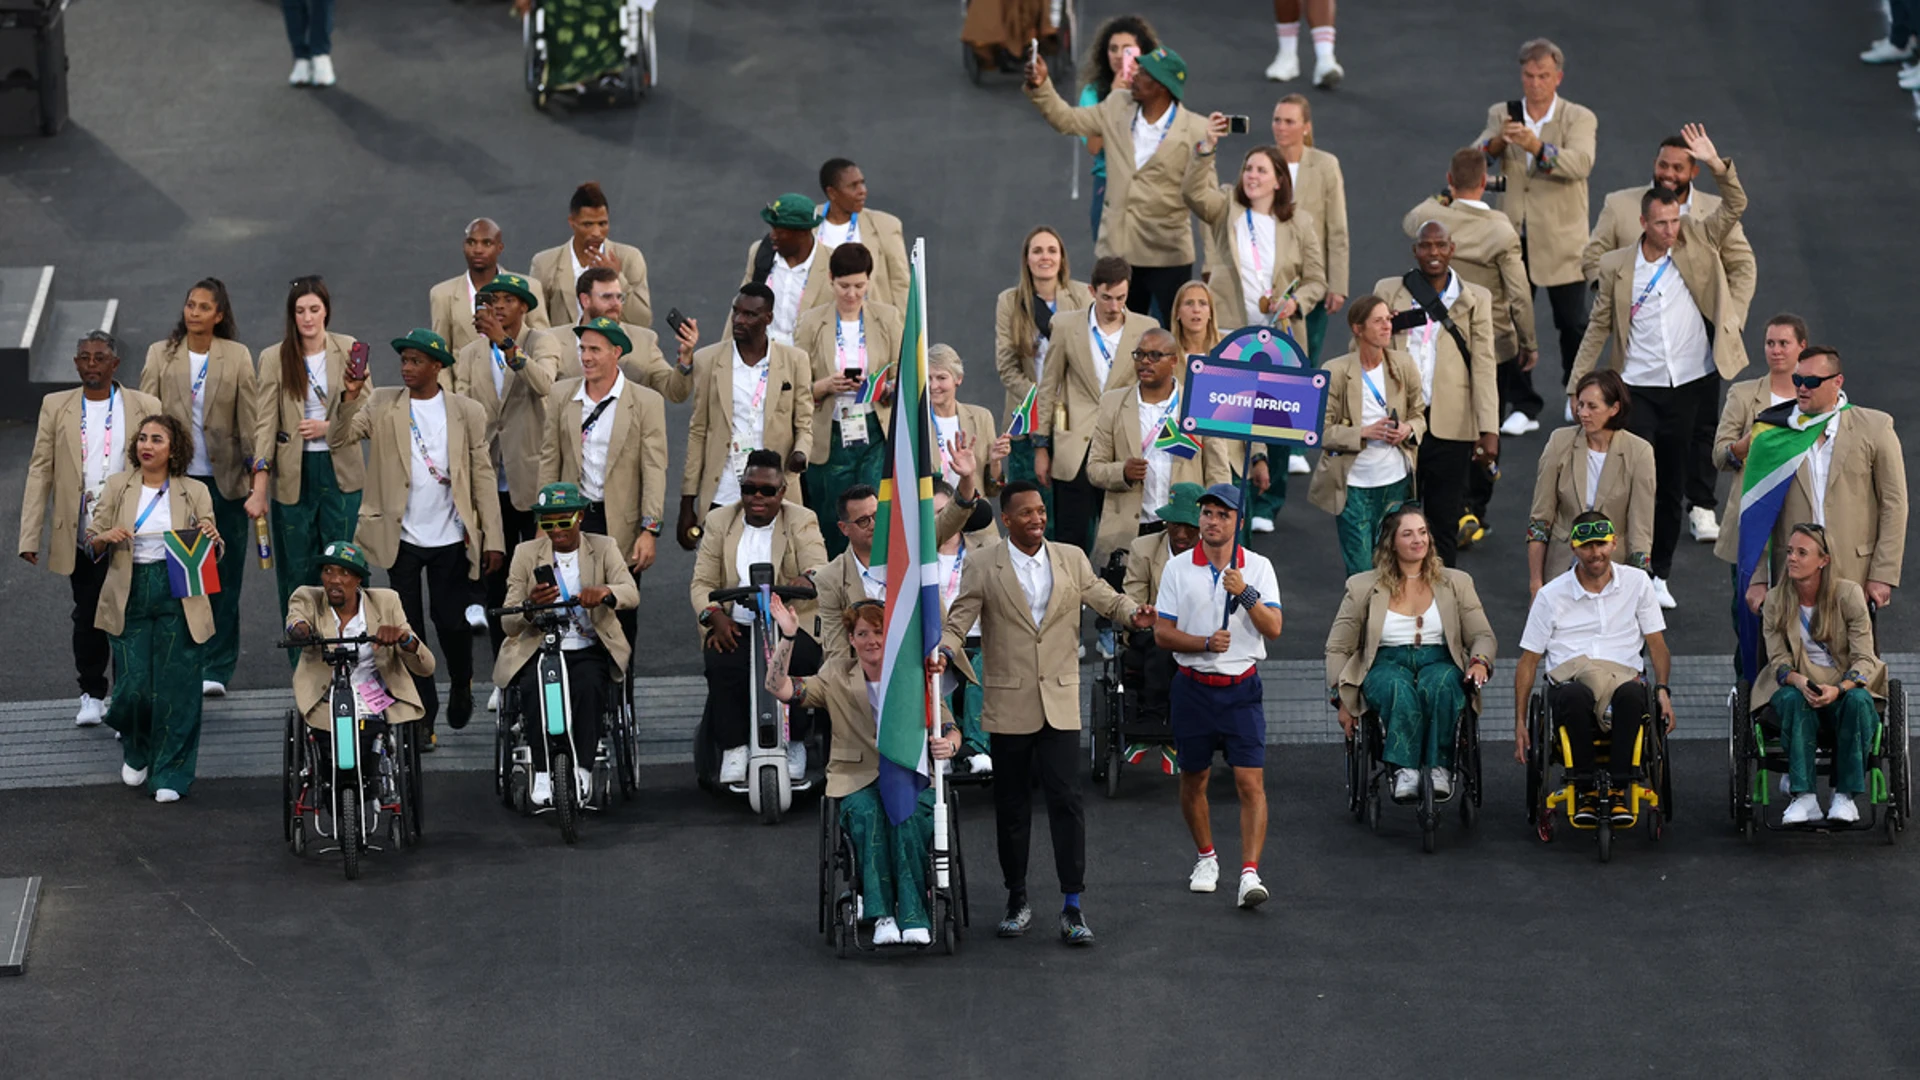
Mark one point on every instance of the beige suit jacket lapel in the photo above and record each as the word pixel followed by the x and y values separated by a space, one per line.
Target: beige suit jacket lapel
pixel 1009 581
pixel 1055 597
pixel 1623 308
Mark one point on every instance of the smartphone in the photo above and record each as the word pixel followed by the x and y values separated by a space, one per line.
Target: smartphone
pixel 357 361
pixel 543 575
pixel 480 301
pixel 1515 112
pixel 1033 49
pixel 1237 125
pixel 853 373
pixel 1129 56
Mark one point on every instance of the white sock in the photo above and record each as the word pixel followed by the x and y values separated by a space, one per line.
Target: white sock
pixel 1323 42
pixel 1289 34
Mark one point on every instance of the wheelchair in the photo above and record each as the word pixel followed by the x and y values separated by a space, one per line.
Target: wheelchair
pixel 327 792
pixel 1367 773
pixel 842 920
pixel 1126 728
pixel 1647 778
pixel 1754 751
pixel 1056 48
pixel 639 44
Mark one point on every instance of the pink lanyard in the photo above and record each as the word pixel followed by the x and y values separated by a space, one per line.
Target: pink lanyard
pixel 106 435
pixel 839 348
pixel 760 392
pixel 952 586
pixel 1147 438
pixel 421 442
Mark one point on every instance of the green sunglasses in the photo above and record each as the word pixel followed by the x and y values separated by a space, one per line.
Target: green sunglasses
pixel 1592 532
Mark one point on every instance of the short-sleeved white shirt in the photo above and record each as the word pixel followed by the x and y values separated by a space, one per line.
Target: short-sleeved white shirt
pixel 1192 598
pixel 1568 622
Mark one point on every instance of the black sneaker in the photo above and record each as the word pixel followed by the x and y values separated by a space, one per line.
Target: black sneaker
pixel 459 707
pixel 1019 917
pixel 1074 929
pixel 1587 812
pixel 1622 809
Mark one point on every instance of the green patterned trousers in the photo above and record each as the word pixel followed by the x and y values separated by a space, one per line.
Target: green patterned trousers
pixel 156 688
pixel 891 859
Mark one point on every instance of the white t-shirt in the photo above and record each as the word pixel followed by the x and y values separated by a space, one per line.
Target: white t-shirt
pixel 952 569
pixel 314 406
pixel 150 536
pixel 365 669
pixel 789 283
pixel 431 519
pixel 1147 137
pixel 1816 652
pixel 1567 622
pixel 1666 337
pixel 1423 629
pixel 572 258
pixel 596 442
pixel 850 353
pixel 947 429
pixel 580 633
pixel 1423 342
pixel 1596 461
pixel 1036 579
pixel 1380 463
pixel 103 451
pixel 749 422
pixel 756 546
pixel 1102 345
pixel 1819 468
pixel 1253 242
pixel 834 235
pixel 197 379
pixel 1153 489
pixel 1194 600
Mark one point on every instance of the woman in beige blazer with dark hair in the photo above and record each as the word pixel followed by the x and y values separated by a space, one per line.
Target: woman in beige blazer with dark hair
pixel 1023 332
pixel 1376 416
pixel 1272 265
pixel 1595 465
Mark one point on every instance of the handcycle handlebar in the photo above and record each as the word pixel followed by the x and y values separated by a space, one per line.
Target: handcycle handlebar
pixel 784 592
pixel 534 609
pixel 327 642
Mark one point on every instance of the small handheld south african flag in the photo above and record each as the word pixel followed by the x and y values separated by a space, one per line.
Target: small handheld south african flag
pixel 874 386
pixel 1161 756
pixel 193 568
pixel 1023 417
pixel 1176 442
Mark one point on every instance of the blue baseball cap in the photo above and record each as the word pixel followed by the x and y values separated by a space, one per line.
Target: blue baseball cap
pixel 1225 494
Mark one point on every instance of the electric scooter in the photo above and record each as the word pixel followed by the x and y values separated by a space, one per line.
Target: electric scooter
pixel 769 789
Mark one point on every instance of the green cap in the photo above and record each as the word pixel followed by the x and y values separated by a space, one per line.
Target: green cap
pixel 791 211
pixel 608 328
pixel 427 342
pixel 512 285
pixel 1183 505
pixel 559 496
pixel 1167 69
pixel 345 553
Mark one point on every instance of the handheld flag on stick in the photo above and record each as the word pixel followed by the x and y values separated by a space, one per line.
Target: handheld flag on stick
pixel 1175 442
pixel 1023 417
pixel 192 567
pixel 874 386
pixel 1782 439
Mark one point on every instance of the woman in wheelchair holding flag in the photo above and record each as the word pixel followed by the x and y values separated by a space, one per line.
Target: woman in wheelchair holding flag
pixel 1820 654
pixel 1409 636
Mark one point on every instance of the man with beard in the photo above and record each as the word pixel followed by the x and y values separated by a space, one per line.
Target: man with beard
pixel 601 296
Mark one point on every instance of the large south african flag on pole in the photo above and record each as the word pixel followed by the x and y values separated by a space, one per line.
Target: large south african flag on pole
pixel 193 568
pixel 1782 438
pixel 904 542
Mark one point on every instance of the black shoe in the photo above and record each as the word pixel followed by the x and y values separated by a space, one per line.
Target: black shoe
pixel 459 707
pixel 431 744
pixel 1622 809
pixel 1019 917
pixel 1587 812
pixel 1073 928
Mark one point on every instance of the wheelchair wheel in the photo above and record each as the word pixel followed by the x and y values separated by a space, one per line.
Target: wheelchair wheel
pixel 1604 834
pixel 1538 764
pixel 626 748
pixel 1357 769
pixel 970 63
pixel 503 749
pixel 1739 766
pixel 956 860
pixel 1900 757
pixel 1097 745
pixel 289 773
pixel 534 63
pixel 826 864
pixel 407 780
pixel 1466 756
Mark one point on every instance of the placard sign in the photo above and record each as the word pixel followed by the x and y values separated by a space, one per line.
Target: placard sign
pixel 1255 385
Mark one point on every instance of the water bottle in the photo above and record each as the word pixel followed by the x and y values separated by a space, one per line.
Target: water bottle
pixel 261 544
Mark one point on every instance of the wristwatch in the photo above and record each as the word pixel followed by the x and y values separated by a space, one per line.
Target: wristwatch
pixel 706 617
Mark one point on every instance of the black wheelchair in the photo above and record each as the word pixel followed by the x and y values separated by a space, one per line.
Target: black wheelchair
pixel 1754 752
pixel 1128 726
pixel 639 73
pixel 847 927
pixel 1056 48
pixel 1367 772
pixel 1648 781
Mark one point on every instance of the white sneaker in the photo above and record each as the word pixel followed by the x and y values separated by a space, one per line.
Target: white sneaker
pixel 1406 783
pixel 1842 808
pixel 1882 51
pixel 1327 74
pixel 1910 78
pixel 92 711
pixel 1285 66
pixel 476 616
pixel 1252 893
pixel 1442 783
pixel 886 931
pixel 1206 874
pixel 131 776
pixel 323 71
pixel 1297 465
pixel 796 761
pixel 582 786
pixel 1804 808
pixel 980 764
pixel 1515 423
pixel 1705 527
pixel 1664 594
pixel 733 766
pixel 542 793
pixel 209 688
pixel 166 794
pixel 493 700
pixel 1262 524
pixel 302 74
pixel 916 935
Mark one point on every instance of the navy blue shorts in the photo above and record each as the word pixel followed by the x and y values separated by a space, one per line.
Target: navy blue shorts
pixel 1228 719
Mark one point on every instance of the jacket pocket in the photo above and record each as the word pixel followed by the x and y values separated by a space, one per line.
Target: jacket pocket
pixel 1001 682
pixel 848 753
pixel 1865 551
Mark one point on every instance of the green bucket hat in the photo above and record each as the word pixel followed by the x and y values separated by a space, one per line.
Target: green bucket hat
pixel 1183 505
pixel 427 342
pixel 608 328
pixel 559 496
pixel 512 285
pixel 1168 70
pixel 346 554
pixel 791 211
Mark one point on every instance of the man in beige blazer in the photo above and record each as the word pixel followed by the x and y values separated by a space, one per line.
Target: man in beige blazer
pixel 1091 353
pixel 557 269
pixel 751 393
pixel 452 303
pixel 600 297
pixel 80 440
pixel 345 604
pixel 609 435
pixel 1454 353
pixel 431 505
pixel 1026 596
pixel 1150 137
pixel 848 220
pixel 790 262
pixel 1666 305
pixel 1546 152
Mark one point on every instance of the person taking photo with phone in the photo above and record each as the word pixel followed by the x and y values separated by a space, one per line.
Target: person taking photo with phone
pixel 851 344
pixel 452 303
pixel 601 297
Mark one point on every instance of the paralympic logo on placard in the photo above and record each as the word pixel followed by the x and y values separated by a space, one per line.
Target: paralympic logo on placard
pixel 1255 385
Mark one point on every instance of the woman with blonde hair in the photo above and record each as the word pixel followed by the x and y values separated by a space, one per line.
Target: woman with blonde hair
pixel 1376 416
pixel 1320 189
pixel 1023 329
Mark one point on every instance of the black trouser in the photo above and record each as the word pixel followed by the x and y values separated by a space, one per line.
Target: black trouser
pixel 1054 754
pixel 589 678
pixel 1480 484
pixel 445 570
pixel 491 589
pixel 1569 303
pixel 1441 476
pixel 728 676
pixel 91 650
pixel 1152 290
pixel 1667 416
pixel 1572 705
pixel 1702 477
pixel 1076 510
pixel 1148 670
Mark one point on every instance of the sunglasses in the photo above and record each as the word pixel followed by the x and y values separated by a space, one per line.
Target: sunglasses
pixel 1592 532
pixel 765 491
pixel 1812 382
pixel 554 522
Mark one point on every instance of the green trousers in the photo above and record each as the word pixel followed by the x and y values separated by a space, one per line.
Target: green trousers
pixel 1418 693
pixel 156 687
pixel 1316 332
pixel 892 860
pixel 1360 521
pixel 1856 722
pixel 1268 504
pixel 965 703
pixel 302 530
pixel 844 467
pixel 221 652
pixel 584 40
pixel 1020 467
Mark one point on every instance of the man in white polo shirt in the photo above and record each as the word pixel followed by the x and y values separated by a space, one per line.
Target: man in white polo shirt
pixel 1218 609
pixel 1590 625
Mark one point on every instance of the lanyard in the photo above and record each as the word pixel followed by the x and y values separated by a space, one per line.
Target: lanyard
pixel 1253 242
pixel 953 579
pixel 499 361
pixel 586 426
pixel 1099 339
pixel 582 625
pixel 319 391
pixel 1651 282
pixel 1162 127
pixel 766 363
pixel 1148 437
pixel 151 503
pixel 200 380
pixel 106 436
pixel 420 443
pixel 839 348
pixel 1379 398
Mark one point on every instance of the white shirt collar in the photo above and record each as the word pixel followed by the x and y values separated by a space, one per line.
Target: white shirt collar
pixel 1475 203
pixel 1022 560
pixel 581 395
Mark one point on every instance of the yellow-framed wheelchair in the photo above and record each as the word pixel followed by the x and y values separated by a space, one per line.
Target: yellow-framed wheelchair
pixel 1639 791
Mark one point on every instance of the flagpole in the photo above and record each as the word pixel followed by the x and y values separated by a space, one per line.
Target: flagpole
pixel 941 871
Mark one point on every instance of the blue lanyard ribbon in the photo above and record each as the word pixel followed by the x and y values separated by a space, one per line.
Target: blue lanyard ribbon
pixel 1379 398
pixel 1651 282
pixel 151 503
pixel 840 342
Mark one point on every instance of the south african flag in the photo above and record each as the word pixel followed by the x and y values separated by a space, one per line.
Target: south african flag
pixel 1021 423
pixel 1176 442
pixel 193 567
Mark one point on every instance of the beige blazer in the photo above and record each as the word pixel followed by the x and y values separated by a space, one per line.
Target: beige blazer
pixel 276 432
pixel 1321 191
pixel 1068 405
pixel 1852 650
pixel 1117 437
pixel 188 503
pixel 1029 675
pixel 1866 502
pixel 1549 206
pixel 1619 226
pixel 814 335
pixel 882 234
pixel 553 269
pixel 797 549
pixel 1298 252
pixel 602 562
pixel 819 287
pixel 634 489
pixel 839 585
pixel 1466 393
pixel 313 678
pixel 1697 258
pixel 1146 560
pixel 644 364
pixel 383 419
pixel 1145 221
pixel 517 424
pixel 786 422
pixel 1486 251
pixel 450 311
pixel 1354 639
pixel 840 687
pixel 228 395
pixel 1626 495
pixel 1017 374
pixel 55 474
pixel 1340 439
